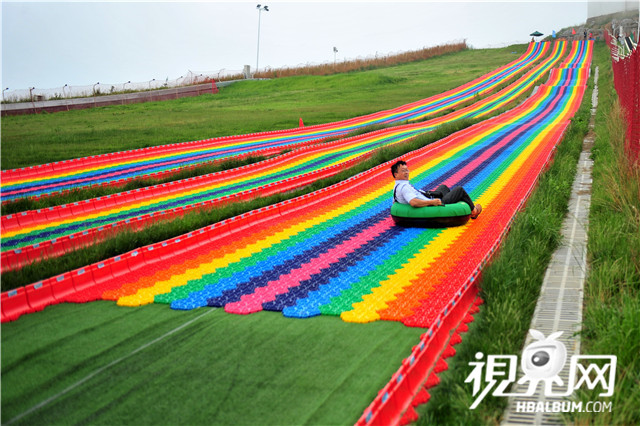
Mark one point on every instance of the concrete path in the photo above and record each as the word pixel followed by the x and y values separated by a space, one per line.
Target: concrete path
pixel 559 306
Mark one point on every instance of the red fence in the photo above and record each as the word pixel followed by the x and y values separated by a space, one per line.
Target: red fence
pixel 626 78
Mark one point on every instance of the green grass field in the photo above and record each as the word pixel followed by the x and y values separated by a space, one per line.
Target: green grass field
pixel 245 107
pixel 98 363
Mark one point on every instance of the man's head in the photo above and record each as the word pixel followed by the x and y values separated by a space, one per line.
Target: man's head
pixel 400 170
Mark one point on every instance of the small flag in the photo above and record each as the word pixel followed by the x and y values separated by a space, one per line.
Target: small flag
pixel 573 31
pixel 554 34
pixel 301 123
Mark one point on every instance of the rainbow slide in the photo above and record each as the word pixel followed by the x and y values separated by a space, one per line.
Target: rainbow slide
pixel 30 236
pixel 336 251
pixel 120 167
pixel 342 255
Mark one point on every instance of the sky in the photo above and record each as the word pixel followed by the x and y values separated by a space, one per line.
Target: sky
pixel 49 44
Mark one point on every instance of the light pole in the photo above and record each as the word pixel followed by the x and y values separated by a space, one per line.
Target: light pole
pixel 31 96
pixel 4 90
pixel 335 50
pixel 260 9
pixel 94 94
pixel 64 95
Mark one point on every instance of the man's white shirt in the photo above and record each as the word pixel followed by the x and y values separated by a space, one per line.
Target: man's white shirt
pixel 405 192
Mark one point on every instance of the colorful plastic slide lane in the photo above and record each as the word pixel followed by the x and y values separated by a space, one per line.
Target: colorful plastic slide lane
pixel 80 279
pixel 28 236
pixel 31 235
pixel 408 387
pixel 504 97
pixel 336 251
pixel 342 255
pixel 119 167
pixel 348 258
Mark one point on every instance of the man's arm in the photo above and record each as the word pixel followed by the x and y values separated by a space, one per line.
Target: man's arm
pixel 417 202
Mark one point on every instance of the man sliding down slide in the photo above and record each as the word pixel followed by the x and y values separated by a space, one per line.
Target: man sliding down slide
pixel 405 193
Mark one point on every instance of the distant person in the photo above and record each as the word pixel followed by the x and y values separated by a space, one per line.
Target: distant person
pixel 405 193
pixel 629 43
pixel 585 34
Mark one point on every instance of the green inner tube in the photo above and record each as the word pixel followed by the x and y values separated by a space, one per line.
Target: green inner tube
pixel 455 214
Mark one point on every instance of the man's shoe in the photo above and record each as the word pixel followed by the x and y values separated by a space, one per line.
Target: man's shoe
pixel 476 211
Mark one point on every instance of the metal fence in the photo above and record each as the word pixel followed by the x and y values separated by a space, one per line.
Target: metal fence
pixel 37 106
pixel 100 89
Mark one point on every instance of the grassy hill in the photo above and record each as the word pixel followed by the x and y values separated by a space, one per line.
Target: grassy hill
pixel 103 364
pixel 100 363
pixel 244 107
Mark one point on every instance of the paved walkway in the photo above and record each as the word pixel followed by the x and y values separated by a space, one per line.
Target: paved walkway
pixel 559 306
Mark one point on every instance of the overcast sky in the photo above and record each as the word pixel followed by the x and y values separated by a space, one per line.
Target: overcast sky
pixel 49 44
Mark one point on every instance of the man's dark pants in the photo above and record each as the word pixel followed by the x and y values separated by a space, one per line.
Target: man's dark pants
pixel 454 195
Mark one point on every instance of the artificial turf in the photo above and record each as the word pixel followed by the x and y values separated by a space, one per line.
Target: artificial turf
pixel 98 363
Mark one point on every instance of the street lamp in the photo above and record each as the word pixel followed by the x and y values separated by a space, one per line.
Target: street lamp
pixel 260 9
pixel 335 50
pixel 31 96
pixel 3 90
pixel 94 94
